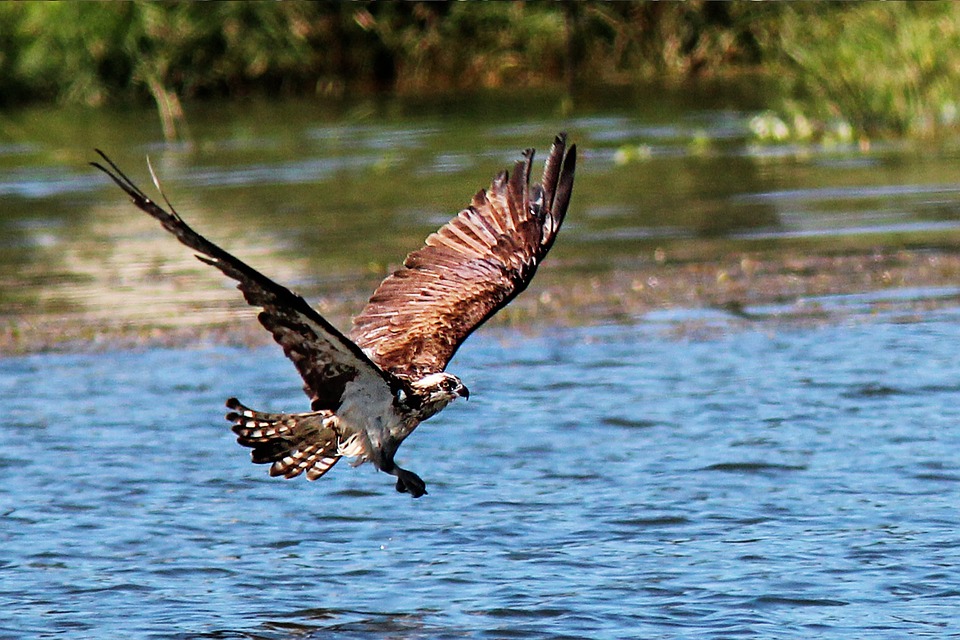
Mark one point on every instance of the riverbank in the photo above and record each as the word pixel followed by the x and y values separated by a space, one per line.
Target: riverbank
pixel 740 289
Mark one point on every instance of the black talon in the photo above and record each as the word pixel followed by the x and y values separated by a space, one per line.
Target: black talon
pixel 409 482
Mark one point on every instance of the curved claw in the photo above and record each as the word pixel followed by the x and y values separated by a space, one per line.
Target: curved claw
pixel 409 482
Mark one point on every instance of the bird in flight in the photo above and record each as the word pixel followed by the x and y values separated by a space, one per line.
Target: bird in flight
pixel 370 388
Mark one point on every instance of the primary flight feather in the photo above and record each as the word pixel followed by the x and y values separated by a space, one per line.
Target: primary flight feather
pixel 370 389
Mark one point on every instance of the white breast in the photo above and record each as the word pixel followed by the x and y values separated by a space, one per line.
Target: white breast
pixel 368 417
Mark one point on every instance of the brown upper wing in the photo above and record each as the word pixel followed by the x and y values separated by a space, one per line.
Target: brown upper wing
pixel 325 358
pixel 469 269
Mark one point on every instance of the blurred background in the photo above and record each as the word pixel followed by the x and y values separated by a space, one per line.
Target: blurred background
pixel 874 69
pixel 733 153
pixel 727 406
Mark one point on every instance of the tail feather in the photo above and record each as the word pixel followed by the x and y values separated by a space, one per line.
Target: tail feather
pixel 292 443
pixel 310 458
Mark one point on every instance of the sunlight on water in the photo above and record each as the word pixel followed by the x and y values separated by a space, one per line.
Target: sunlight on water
pixel 728 406
pixel 601 482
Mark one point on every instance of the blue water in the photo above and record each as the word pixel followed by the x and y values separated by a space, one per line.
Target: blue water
pixel 791 472
pixel 611 482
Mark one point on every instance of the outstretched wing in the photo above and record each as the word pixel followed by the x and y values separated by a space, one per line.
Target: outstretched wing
pixel 325 358
pixel 469 269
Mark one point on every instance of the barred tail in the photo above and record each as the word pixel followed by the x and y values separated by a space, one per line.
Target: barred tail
pixel 293 442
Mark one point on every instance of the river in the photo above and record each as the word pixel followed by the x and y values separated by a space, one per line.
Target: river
pixel 729 406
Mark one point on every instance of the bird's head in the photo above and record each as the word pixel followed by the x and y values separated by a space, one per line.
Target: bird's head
pixel 437 390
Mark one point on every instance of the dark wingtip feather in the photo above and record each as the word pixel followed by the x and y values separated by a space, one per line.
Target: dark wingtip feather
pixel 558 199
pixel 552 167
pixel 119 177
pixel 561 199
pixel 517 187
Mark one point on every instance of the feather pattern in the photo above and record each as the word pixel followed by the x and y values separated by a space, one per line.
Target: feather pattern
pixel 326 359
pixel 292 443
pixel 371 390
pixel 468 270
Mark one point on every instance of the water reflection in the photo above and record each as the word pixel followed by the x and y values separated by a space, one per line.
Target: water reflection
pixel 748 443
pixel 327 199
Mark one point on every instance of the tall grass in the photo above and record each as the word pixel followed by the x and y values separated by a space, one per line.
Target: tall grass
pixel 880 68
pixel 885 68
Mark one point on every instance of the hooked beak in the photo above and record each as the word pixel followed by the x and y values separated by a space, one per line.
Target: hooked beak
pixel 463 392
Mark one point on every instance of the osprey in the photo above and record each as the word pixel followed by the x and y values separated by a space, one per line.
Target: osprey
pixel 370 389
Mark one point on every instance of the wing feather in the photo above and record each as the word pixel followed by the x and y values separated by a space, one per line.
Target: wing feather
pixel 467 270
pixel 325 358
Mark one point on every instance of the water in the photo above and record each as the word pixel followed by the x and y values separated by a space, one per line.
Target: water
pixel 327 198
pixel 601 482
pixel 639 464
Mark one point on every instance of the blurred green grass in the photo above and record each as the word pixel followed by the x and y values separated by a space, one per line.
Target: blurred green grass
pixel 873 69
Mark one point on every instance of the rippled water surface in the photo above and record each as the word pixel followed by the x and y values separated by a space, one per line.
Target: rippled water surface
pixel 326 198
pixel 688 471
pixel 600 482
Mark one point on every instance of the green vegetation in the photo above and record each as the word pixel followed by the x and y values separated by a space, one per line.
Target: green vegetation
pixel 877 69
pixel 884 68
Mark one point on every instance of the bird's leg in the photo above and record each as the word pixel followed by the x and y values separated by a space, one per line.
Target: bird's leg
pixel 409 482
